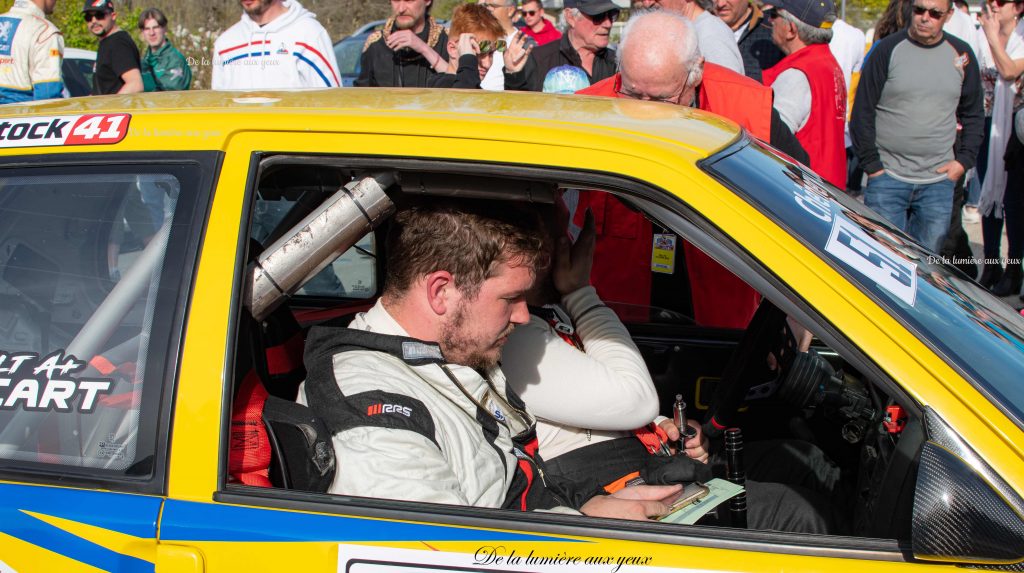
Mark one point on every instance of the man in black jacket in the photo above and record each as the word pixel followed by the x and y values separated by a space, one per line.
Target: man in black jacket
pixel 407 51
pixel 585 43
pixel 753 35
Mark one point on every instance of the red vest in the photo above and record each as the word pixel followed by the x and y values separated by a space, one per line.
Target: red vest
pixel 622 258
pixel 822 135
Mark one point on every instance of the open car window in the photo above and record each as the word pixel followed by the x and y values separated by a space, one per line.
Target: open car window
pixel 87 312
pixel 832 403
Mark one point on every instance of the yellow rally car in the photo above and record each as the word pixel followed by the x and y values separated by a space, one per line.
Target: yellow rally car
pixel 148 247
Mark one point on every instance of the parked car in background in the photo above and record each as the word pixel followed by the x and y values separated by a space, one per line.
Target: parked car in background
pixel 77 71
pixel 347 51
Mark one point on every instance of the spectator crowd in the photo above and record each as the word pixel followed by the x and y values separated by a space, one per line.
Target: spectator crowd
pixel 925 122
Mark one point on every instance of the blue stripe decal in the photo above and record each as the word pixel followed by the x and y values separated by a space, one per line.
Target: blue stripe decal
pixel 129 514
pixel 243 56
pixel 315 68
pixel 124 513
pixel 191 521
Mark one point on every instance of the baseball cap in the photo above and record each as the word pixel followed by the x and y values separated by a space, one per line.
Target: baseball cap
pixel 811 12
pixel 98 6
pixel 591 7
pixel 565 80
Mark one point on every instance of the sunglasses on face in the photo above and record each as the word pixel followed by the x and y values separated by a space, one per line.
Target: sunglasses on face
pixel 933 12
pixel 90 16
pixel 1002 3
pixel 612 15
pixel 771 14
pixel 530 12
pixel 489 46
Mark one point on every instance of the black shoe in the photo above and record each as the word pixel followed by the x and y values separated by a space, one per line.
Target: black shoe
pixel 1010 283
pixel 990 275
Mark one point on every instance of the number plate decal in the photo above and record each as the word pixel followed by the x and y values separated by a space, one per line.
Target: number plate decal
pixel 41 131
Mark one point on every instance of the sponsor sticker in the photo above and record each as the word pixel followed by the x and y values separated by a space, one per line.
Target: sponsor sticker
pixel 663 256
pixel 90 129
pixel 44 383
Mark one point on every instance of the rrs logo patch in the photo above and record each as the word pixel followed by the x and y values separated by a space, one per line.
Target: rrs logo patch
pixel 375 409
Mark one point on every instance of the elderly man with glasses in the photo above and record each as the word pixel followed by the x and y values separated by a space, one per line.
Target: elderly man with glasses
pixel 716 40
pixel 659 61
pixel 585 43
pixel 918 84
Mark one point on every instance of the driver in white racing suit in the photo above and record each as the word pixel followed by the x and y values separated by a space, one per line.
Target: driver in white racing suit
pixel 412 391
pixel 31 51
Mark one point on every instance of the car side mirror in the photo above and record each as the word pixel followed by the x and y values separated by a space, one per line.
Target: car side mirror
pixel 959 515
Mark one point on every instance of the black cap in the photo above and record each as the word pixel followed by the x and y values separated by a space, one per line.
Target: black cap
pixel 814 13
pixel 591 7
pixel 98 6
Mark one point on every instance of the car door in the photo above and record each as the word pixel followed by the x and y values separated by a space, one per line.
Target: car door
pixel 96 252
pixel 227 526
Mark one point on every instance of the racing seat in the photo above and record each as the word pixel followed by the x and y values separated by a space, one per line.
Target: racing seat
pixel 275 442
pixel 278 443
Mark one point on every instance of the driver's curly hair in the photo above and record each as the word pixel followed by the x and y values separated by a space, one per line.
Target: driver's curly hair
pixel 469 241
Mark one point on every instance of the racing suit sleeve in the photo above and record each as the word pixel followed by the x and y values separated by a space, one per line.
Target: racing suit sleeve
pixel 605 388
pixel 44 64
pixel 393 464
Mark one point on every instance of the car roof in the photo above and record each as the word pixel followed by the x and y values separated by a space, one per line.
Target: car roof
pixel 568 120
pixel 79 54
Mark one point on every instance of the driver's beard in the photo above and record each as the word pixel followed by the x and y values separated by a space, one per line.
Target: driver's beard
pixel 459 347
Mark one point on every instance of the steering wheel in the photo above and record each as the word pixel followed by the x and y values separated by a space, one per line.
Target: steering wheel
pixel 767 334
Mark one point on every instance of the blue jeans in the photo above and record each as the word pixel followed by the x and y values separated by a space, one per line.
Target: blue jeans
pixel 922 210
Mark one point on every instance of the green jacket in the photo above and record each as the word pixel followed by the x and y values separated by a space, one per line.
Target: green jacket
pixel 165 70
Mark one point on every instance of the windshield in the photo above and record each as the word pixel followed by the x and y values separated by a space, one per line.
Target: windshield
pixel 973 331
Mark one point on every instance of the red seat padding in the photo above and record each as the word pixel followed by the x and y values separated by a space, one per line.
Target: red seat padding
pixel 250 453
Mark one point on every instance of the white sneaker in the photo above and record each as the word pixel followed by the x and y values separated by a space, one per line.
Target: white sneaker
pixel 971 215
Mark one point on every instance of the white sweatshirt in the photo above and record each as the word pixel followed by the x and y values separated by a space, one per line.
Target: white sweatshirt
pixel 291 51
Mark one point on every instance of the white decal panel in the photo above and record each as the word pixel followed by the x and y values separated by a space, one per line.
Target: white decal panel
pixel 494 557
pixel 850 244
pixel 60 130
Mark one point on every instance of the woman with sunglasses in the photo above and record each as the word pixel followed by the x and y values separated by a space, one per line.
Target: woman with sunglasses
pixel 474 36
pixel 1002 192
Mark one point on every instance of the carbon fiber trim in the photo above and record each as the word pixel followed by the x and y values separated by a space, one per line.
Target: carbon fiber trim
pixel 941 433
pixel 1013 567
pixel 958 516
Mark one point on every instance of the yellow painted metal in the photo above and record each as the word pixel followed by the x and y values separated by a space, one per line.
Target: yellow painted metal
pixel 644 142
